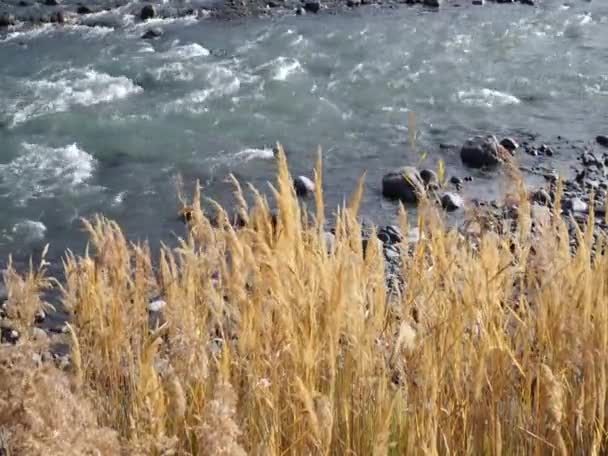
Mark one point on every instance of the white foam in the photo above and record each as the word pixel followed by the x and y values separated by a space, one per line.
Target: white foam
pixel 222 82
pixel 27 34
pixel 486 98
pixel 68 88
pixel 254 154
pixel 188 51
pixel 174 71
pixel 42 171
pixel 29 231
pixel 284 67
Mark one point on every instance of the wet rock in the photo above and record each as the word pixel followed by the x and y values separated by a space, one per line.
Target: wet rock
pixel 40 316
pixel 83 9
pixel 510 144
pixel 390 234
pixel 478 2
pixel 591 160
pixel 300 11
pixel 7 20
pixel 147 12
pixel 353 3
pixel 57 17
pixel 303 186
pixel 451 201
pixel 152 33
pixel 391 253
pixel 429 177
pixel 456 180
pixel 312 6
pixel 51 2
pixel 432 3
pixel 480 152
pixel 602 140
pixel 23 3
pixel 541 197
pixel 575 205
pixel 527 2
pixel 8 335
pixel 405 184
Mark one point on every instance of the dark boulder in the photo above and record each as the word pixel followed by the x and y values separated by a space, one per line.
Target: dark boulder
pixel 147 12
pixel 480 152
pixel 51 2
pixel 303 186
pixel 433 3
pixel 82 9
pixel 429 177
pixel 405 184
pixel 7 20
pixel 313 6
pixel 602 140
pixel 510 144
pixel 353 3
pixel 451 201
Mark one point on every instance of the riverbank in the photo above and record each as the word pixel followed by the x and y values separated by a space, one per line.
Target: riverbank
pixel 268 338
pixel 22 14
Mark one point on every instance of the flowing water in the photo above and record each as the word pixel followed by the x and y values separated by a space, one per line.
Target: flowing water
pixel 98 120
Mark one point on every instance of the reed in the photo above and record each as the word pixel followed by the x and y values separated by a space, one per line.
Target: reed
pixel 270 345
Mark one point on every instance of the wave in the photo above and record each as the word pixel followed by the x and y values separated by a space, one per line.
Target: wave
pixel 28 231
pixel 486 98
pixel 187 51
pixel 84 87
pixel 43 172
pixel 254 154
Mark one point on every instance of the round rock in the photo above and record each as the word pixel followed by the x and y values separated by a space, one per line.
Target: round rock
pixel 405 184
pixel 480 152
pixel 303 186
pixel 313 6
pixel 510 144
pixel 451 201
pixel 7 20
pixel 602 140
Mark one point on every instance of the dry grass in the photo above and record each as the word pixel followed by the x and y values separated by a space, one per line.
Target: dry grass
pixel 268 345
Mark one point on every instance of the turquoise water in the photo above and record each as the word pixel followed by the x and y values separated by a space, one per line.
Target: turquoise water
pixel 98 120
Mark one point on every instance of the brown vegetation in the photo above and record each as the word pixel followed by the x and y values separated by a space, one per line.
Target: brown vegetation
pixel 270 345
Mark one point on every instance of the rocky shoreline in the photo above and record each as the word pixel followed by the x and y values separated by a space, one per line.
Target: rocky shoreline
pixel 23 14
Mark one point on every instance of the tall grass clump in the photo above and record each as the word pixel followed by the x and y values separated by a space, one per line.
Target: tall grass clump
pixel 264 341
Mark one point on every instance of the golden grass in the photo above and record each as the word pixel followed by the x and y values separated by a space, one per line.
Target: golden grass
pixel 269 345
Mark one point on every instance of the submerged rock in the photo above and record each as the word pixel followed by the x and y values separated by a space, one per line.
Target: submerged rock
pixel 152 33
pixel 303 186
pixel 7 20
pixel 405 184
pixel 480 152
pixel 83 9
